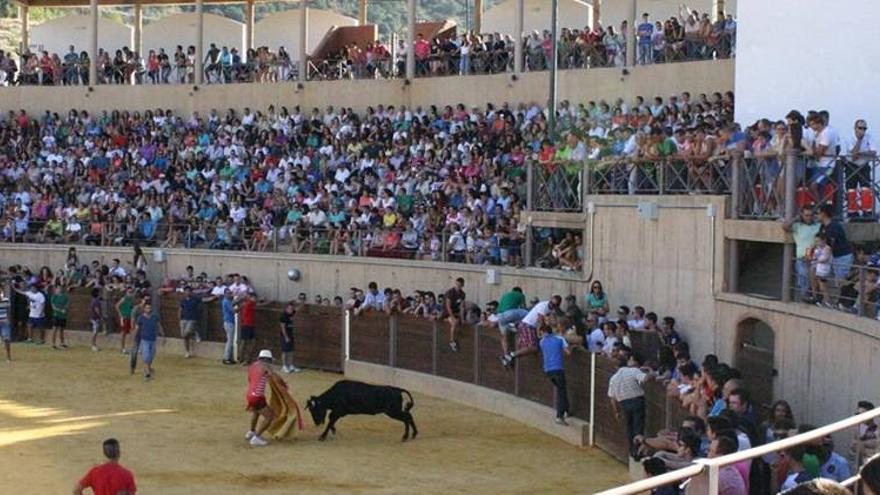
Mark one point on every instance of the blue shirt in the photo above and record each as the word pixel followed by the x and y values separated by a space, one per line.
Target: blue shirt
pixel 835 468
pixel 148 326
pixel 228 310
pixel 552 347
pixel 189 308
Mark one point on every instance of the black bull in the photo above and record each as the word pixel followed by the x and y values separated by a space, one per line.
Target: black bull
pixel 350 397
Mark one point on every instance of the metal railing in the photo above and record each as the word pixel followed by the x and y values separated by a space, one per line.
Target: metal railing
pixel 704 473
pixel 850 287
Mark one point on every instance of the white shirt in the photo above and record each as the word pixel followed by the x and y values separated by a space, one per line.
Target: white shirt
pixel 36 303
pixel 865 146
pixel 595 340
pixel 238 289
pixel 540 309
pixel 827 137
pixel 636 324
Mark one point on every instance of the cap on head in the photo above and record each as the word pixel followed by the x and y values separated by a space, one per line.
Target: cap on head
pixel 265 354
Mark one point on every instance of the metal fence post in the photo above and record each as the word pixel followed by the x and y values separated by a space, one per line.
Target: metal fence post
pixel 530 186
pixel 861 299
pixel 788 255
pixel 435 339
pixel 392 341
pixel 592 439
pixel 476 354
pixel 661 177
pixel 735 189
pixel 582 194
pixel 528 251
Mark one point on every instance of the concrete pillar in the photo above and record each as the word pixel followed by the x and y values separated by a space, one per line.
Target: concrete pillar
pixel 138 44
pixel 249 11
pixel 518 36
pixel 25 27
pixel 93 43
pixel 362 12
pixel 717 6
pixel 630 40
pixel 411 40
pixel 303 40
pixel 478 16
pixel 200 43
pixel 597 12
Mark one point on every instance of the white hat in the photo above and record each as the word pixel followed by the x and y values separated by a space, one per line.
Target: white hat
pixel 265 354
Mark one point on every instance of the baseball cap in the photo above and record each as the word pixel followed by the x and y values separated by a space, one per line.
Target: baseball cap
pixel 265 354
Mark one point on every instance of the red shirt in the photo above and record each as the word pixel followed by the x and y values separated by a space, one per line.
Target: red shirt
pixel 247 313
pixel 109 479
pixel 257 378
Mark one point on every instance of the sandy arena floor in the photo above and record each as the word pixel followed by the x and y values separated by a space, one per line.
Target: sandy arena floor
pixel 183 433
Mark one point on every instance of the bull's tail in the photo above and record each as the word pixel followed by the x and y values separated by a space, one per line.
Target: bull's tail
pixel 411 403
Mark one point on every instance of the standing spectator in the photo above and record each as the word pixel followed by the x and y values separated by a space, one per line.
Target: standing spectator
pixel 36 310
pixel 136 338
pixel 597 300
pixel 840 246
pixel 5 327
pixel 286 335
pixel 645 33
pixel 454 311
pixel 803 230
pixel 247 313
pixel 147 329
pixel 553 346
pixel 109 478
pixel 864 445
pixel 124 308
pixel 59 302
pixel 627 394
pixel 870 475
pixel 189 316
pixel 860 151
pixel 825 148
pixel 96 317
pixel 526 332
pixel 730 481
pixel 227 309
pixel 373 300
pixel 821 271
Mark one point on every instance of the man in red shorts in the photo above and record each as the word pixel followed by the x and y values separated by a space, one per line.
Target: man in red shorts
pixel 259 374
pixel 109 478
pixel 526 329
pixel 247 321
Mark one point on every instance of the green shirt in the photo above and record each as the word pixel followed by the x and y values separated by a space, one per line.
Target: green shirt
pixel 804 235
pixel 666 147
pixel 59 305
pixel 511 300
pixel 127 304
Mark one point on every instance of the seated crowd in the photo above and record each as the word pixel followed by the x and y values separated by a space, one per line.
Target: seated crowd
pixel 435 184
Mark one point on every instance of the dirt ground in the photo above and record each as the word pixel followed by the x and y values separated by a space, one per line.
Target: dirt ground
pixel 183 433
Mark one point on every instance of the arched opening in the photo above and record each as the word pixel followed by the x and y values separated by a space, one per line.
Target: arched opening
pixel 755 341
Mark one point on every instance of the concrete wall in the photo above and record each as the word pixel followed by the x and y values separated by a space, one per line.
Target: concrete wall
pixel 613 12
pixel 500 18
pixel 180 29
pixel 574 85
pixel 58 34
pixel 282 29
pixel 826 360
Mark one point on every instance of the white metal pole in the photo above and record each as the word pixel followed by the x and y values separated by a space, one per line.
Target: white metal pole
pixel 592 397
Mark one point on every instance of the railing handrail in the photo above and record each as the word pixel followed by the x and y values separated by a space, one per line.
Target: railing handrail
pixel 718 462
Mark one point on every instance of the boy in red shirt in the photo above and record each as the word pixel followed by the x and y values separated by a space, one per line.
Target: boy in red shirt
pixel 259 374
pixel 109 478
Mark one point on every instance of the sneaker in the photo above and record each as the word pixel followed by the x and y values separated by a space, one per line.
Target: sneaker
pixel 249 435
pixel 561 421
pixel 95 348
pixel 294 369
pixel 187 356
pixel 258 441
pixel 64 346
pixel 285 369
pixel 198 338
pixel 228 361
pixel 148 377
pixel 454 346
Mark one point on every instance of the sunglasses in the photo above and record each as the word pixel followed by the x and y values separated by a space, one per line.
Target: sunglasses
pixel 862 128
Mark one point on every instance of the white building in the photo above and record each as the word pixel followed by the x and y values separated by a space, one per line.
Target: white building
pixel 180 29
pixel 500 18
pixel 282 29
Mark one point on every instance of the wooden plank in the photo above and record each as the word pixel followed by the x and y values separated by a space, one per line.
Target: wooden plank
pixel 492 374
pixel 577 378
pixel 456 365
pixel 610 434
pixel 534 385
pixel 369 338
pixel 414 343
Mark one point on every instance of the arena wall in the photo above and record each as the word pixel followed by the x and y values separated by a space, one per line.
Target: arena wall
pixel 56 35
pixel 573 14
pixel 574 85
pixel 180 29
pixel 282 29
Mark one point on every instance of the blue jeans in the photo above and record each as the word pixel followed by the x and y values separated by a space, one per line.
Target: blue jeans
pixel 634 417
pixel 148 350
pixel 511 316
pixel 802 280
pixel 841 266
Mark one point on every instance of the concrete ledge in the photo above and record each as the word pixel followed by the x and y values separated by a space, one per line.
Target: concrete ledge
pixel 522 410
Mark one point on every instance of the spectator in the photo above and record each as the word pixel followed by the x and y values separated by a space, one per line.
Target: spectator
pixel 796 472
pixel 803 230
pixel 59 302
pixel 836 238
pixel 509 311
pixel 730 482
pixel 109 478
pixel 228 310
pixel 373 300
pixel 36 309
pixel 5 326
pixel 627 394
pixel 597 300
pixel 147 329
pixel 190 306
pixel 286 339
pixel 870 476
pixel 553 347
pixel 656 467
pixel 864 445
pixel 454 299
pixel 124 308
pixel 526 333
pixel 247 309
pixel 818 486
